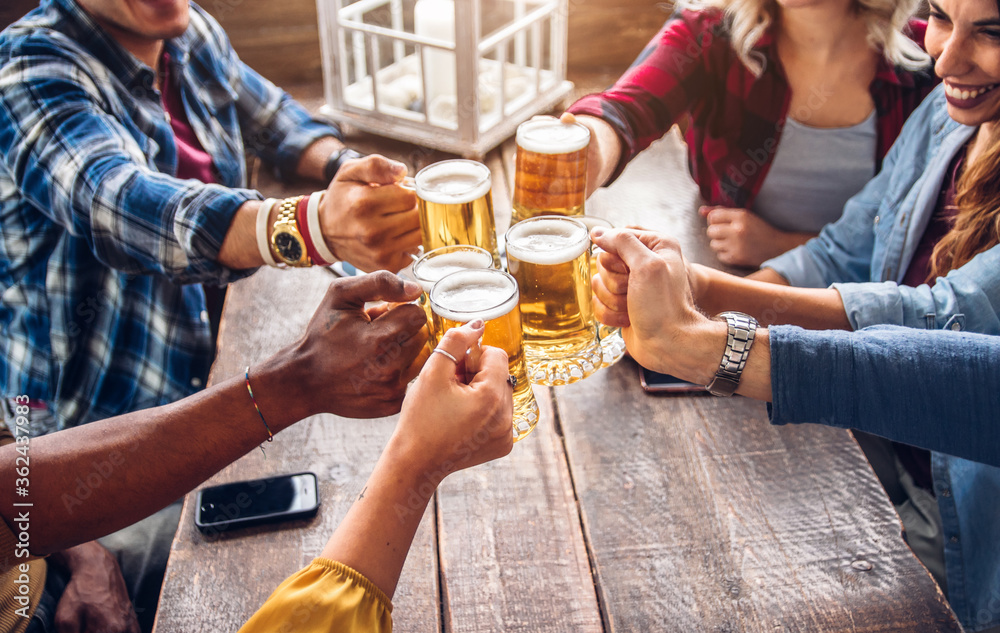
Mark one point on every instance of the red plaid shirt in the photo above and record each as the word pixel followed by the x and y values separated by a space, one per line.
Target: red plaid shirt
pixel 690 68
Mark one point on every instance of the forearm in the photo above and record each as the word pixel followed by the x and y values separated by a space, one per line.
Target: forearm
pixel 108 474
pixel 312 164
pixel 603 154
pixel 697 352
pixel 375 536
pixel 771 303
pixel 898 383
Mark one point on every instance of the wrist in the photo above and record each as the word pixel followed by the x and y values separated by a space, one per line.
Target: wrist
pixel 284 390
pixel 79 556
pixel 411 460
pixel 703 347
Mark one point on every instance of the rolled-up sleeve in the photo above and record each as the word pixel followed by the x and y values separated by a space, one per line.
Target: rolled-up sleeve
pixel 80 167
pixel 325 596
pixel 274 126
pixel 967 298
pixel 658 89
pixel 932 389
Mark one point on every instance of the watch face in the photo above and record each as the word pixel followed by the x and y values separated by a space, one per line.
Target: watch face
pixel 288 247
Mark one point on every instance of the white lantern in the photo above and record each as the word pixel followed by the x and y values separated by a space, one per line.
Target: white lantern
pixel 446 74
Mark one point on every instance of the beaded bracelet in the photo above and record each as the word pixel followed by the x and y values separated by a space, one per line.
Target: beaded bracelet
pixel 270 435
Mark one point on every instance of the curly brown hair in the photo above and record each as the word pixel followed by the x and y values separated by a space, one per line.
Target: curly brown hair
pixel 977 223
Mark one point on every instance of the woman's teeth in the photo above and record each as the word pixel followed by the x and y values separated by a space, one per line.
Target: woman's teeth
pixel 965 95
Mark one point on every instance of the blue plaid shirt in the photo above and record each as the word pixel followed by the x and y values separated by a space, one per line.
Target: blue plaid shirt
pixel 102 249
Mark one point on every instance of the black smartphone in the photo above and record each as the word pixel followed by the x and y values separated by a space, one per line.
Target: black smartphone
pixel 654 382
pixel 245 503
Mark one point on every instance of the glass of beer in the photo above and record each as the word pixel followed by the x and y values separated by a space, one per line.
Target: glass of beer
pixel 490 295
pixel 612 343
pixel 550 258
pixel 435 264
pixel 550 176
pixel 456 205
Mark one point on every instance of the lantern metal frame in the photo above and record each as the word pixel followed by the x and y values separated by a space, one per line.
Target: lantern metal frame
pixel 537 32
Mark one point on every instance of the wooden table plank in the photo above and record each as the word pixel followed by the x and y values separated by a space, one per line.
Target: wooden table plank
pixel 512 552
pixel 701 516
pixel 262 314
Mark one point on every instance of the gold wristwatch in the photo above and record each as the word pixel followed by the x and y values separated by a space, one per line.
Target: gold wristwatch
pixel 286 241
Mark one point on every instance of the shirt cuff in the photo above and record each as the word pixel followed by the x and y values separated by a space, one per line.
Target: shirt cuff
pixel 798 268
pixel 872 303
pixel 201 225
pixel 798 360
pixel 324 596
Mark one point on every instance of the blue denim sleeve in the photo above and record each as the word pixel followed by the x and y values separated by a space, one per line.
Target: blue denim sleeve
pixel 972 291
pixel 933 389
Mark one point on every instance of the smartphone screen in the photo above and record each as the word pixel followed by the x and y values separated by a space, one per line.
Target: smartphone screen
pixel 245 503
pixel 654 382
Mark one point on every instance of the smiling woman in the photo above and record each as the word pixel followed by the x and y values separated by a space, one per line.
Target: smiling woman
pixel 919 246
pixel 966 44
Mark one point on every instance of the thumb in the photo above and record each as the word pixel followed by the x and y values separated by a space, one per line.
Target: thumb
pixel 624 243
pixel 704 210
pixel 374 169
pixel 352 293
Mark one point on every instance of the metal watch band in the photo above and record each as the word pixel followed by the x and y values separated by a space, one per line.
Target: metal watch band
pixel 285 225
pixel 742 328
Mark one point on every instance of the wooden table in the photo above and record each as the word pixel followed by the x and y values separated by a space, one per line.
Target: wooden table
pixel 621 512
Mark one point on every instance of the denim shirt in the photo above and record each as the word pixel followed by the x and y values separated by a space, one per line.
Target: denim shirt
pixel 864 255
pixel 102 247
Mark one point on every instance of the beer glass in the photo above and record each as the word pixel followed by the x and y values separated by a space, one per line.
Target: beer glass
pixel 612 343
pixel 550 176
pixel 439 262
pixel 456 206
pixel 550 258
pixel 490 295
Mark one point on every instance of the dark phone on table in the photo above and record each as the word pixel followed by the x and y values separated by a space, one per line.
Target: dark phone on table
pixel 653 382
pixel 245 503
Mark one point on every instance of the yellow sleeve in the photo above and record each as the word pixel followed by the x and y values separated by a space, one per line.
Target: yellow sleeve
pixel 325 596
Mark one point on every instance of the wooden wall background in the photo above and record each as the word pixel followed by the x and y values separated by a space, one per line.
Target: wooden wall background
pixel 280 39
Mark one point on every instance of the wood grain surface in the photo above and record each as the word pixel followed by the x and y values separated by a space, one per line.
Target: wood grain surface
pixel 701 516
pixel 621 512
pixel 511 549
pixel 216 583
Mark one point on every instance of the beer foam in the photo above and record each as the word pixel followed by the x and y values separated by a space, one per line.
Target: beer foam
pixel 429 270
pixel 466 295
pixel 547 240
pixel 453 182
pixel 552 136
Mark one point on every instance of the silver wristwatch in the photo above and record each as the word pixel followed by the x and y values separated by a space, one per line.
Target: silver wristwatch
pixel 742 328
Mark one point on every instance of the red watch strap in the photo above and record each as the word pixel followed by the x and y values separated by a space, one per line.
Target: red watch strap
pixel 303 222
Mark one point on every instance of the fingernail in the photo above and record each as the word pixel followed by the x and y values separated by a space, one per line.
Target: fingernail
pixel 597 231
pixel 478 324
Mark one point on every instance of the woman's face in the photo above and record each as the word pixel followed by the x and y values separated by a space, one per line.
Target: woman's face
pixel 963 36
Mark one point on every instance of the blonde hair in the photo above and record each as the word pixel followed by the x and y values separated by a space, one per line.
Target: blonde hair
pixel 977 222
pixel 748 20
